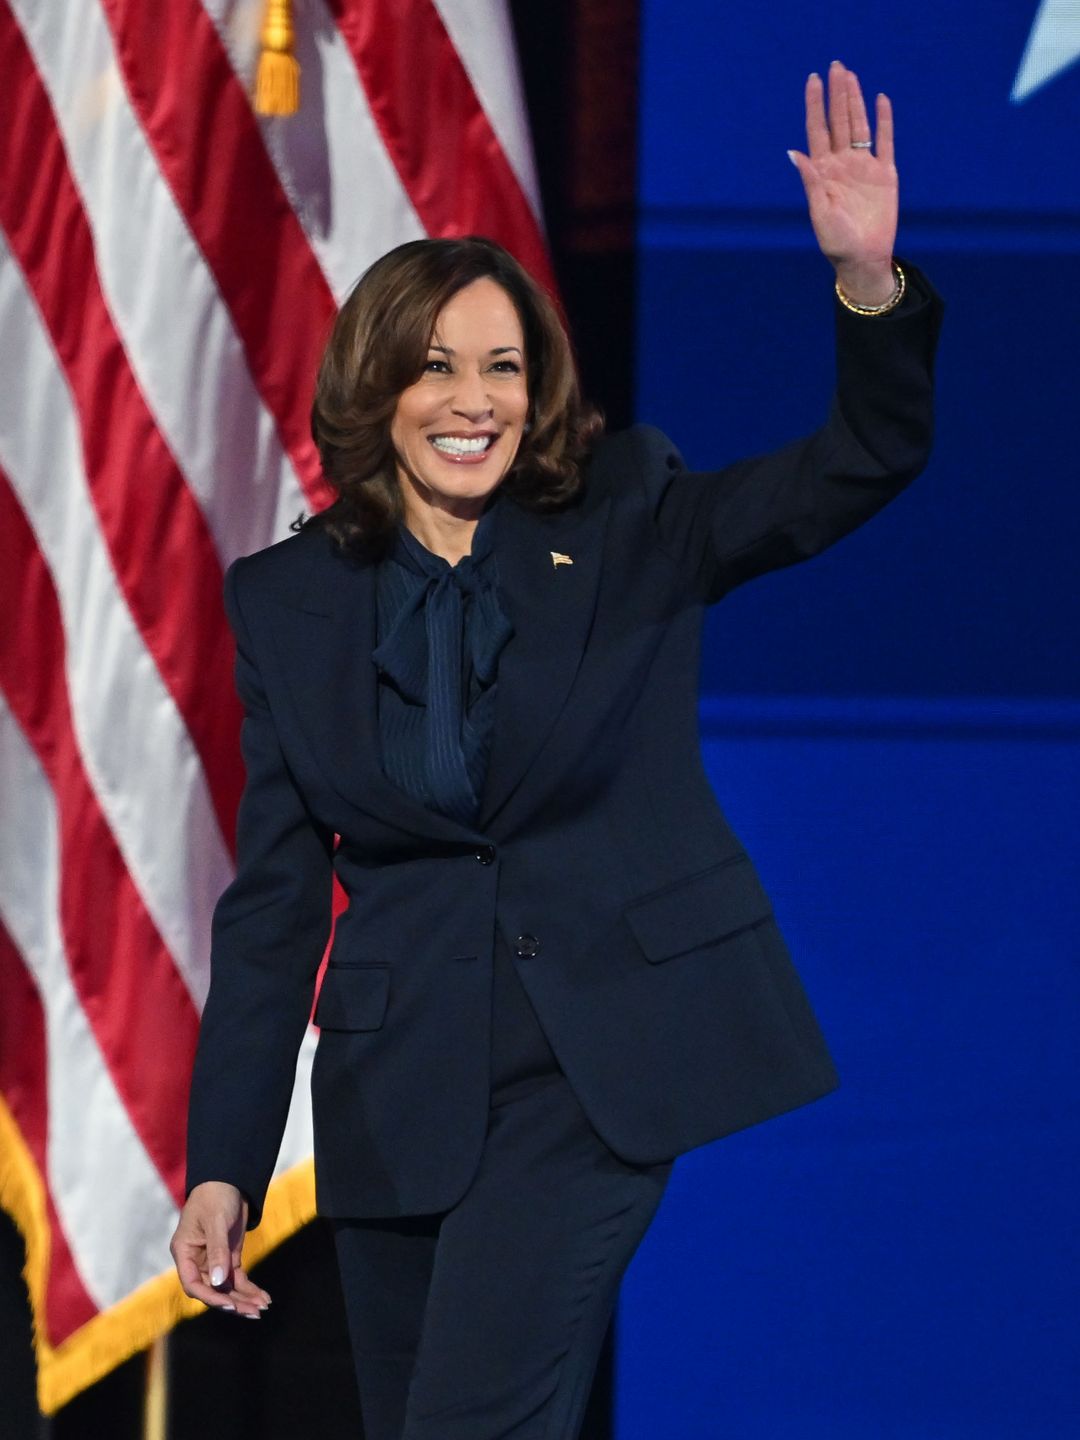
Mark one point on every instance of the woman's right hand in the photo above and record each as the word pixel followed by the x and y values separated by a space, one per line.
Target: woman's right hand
pixel 206 1249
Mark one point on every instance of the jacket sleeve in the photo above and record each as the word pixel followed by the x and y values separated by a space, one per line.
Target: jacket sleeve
pixel 726 526
pixel 269 931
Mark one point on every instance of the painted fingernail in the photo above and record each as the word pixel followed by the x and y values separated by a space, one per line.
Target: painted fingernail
pixel 813 75
pixel 834 62
pixel 791 157
pixel 226 1307
pixel 250 1315
pixel 217 1275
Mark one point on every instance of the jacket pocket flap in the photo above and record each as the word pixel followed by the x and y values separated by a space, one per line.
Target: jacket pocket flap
pixel 703 908
pixel 353 997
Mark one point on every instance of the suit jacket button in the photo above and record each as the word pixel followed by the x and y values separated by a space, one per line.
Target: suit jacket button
pixel 486 854
pixel 527 946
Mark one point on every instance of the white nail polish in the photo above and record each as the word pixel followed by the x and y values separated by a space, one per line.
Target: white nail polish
pixel 791 157
pixel 226 1307
pixel 217 1275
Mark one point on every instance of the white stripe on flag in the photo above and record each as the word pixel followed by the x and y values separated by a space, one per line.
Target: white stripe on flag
pixel 350 213
pixel 297 1139
pixel 114 1208
pixel 177 332
pixel 137 752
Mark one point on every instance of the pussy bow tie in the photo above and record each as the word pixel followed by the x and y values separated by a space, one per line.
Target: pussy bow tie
pixel 422 654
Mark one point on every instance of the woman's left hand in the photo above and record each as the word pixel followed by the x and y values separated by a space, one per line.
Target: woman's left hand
pixel 851 190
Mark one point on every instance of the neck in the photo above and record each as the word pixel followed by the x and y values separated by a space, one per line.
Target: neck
pixel 447 533
pixel 443 535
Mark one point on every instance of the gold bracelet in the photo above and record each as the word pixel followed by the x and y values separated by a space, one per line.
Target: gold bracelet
pixel 890 304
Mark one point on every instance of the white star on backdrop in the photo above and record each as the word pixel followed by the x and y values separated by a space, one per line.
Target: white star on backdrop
pixel 1053 45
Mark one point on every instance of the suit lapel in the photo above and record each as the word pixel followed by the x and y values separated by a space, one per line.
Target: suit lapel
pixel 326 638
pixel 326 634
pixel 549 569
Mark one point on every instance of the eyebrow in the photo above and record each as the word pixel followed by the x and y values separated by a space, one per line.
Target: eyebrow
pixel 498 350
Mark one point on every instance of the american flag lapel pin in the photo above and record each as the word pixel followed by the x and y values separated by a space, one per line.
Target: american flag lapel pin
pixel 559 559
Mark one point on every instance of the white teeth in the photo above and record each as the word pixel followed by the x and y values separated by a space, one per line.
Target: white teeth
pixel 459 445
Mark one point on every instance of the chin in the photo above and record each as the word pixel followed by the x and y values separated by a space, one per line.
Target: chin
pixel 473 492
pixel 469 486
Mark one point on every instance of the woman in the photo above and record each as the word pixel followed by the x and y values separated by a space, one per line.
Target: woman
pixel 557 970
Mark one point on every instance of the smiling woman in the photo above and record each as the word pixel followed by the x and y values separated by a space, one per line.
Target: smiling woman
pixel 444 351
pixel 478 670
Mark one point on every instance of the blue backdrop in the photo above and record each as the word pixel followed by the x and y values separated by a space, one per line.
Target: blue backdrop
pixel 899 1260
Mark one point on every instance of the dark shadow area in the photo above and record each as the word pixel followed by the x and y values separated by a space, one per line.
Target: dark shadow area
pixel 285 1375
pixel 579 65
pixel 18 1412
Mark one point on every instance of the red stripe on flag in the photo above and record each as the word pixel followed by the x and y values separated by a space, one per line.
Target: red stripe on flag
pixel 134 999
pixel 435 129
pixel 67 1305
pixel 24 1086
pixel 161 547
pixel 199 121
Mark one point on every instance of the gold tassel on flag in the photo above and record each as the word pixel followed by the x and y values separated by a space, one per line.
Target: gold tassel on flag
pixel 277 80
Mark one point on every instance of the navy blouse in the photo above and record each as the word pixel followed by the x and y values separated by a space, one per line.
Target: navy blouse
pixel 440 630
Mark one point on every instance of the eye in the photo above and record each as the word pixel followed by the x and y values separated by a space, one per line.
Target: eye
pixel 507 367
pixel 437 366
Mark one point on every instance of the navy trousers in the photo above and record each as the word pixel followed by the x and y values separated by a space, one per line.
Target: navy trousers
pixel 485 1322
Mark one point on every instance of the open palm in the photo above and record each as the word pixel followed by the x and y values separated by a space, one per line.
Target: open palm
pixel 851 190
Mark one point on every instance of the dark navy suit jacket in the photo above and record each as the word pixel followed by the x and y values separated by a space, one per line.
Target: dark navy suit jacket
pixel 636 922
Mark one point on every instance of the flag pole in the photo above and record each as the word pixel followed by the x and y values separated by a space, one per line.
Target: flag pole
pixel 156 1391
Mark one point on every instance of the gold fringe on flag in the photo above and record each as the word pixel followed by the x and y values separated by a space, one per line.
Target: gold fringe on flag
pixel 135 1322
pixel 277 80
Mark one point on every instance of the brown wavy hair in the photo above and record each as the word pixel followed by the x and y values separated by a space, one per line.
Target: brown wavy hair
pixel 378 347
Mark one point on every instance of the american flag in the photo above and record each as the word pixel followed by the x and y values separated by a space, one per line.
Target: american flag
pixel 169 267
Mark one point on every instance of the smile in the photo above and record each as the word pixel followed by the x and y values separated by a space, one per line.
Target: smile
pixel 463 447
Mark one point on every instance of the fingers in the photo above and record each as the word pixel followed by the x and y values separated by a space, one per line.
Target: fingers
pixel 807 174
pixel 858 120
pixel 847 118
pixel 817 129
pixel 194 1281
pixel 238 1292
pixel 885 148
pixel 839 115
pixel 218 1255
pixel 813 184
pixel 245 1297
pixel 245 1290
pixel 227 1277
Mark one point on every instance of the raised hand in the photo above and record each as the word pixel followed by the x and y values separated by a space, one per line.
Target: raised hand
pixel 206 1249
pixel 851 185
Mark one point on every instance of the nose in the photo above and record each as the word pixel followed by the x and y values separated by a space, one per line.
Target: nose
pixel 471 398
